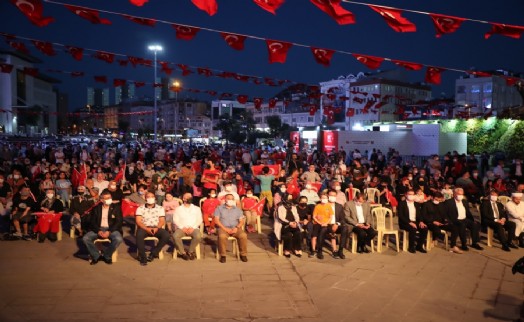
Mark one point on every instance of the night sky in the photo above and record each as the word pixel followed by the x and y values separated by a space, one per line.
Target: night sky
pixel 296 21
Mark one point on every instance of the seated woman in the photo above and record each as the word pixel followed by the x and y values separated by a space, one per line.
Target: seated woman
pixel 49 217
pixel 287 228
pixel 248 204
pixel 208 208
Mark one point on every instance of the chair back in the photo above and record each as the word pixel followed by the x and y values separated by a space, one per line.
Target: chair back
pixel 379 213
pixel 372 195
pixel 352 192
pixel 504 200
pixel 202 201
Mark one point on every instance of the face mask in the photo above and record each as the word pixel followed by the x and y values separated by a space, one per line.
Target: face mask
pixel 150 201
pixel 249 195
pixel 213 195
pixel 493 198
pixel 1 180
pixel 188 201
pixel 230 203
pixel 410 178
pixel 16 176
pixel 108 202
pixel 323 200
pixel 112 187
pixel 332 199
pixel 81 192
pixel 131 169
pixel 50 196
pixel 410 197
pixel 475 175
pixel 459 197
pixel 436 202
pixel 140 192
pixel 228 188
pixel 283 189
pixel 308 186
pixel 337 188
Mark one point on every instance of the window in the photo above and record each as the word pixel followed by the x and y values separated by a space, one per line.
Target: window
pixel 488 88
pixel 475 88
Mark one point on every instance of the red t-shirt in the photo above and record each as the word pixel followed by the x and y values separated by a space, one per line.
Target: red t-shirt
pixel 210 175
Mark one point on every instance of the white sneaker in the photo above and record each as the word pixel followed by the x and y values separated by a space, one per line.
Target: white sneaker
pixel 17 234
pixel 456 250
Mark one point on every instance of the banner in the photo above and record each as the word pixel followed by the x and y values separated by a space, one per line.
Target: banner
pixel 274 169
pixel 330 141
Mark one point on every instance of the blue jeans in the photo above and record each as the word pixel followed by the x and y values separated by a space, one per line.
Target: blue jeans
pixel 89 241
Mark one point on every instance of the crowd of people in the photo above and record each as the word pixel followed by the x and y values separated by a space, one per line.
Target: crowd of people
pixel 172 192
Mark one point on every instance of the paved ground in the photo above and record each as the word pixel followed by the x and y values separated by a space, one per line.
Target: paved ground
pixel 52 282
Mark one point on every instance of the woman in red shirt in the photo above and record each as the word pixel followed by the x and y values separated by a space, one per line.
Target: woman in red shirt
pixel 248 206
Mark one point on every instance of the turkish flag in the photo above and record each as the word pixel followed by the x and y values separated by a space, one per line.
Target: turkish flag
pixel 212 93
pixel 89 14
pixel 105 56
pixel 139 84
pixel 135 60
pixel 445 24
pixel 312 110
pixel 77 74
pixel 76 52
pixel 209 6
pixel 157 85
pixel 204 71
pixel 380 104
pixel 511 81
pixel 242 99
pixel 233 40
pixel 121 174
pixel 165 67
pixel 408 65
pixel 101 79
pixel 138 3
pixel 505 30
pixel 433 75
pixel 141 21
pixel 129 208
pixel 394 19
pixel 322 56
pixel 335 11
pixel 45 47
pixel 258 102
pixel 371 62
pixel 272 103
pixel 259 206
pixel 6 68
pixel 33 10
pixel 19 46
pixel 350 112
pixel 269 5
pixel 31 71
pixel 242 78
pixel 277 50
pixel 119 82
pixel 185 32
pixel 478 73
pixel 274 169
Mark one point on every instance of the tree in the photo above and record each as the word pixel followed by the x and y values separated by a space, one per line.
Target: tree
pixel 275 125
pixel 225 126
pixel 123 125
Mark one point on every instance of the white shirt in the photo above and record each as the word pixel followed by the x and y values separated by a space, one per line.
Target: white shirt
pixel 412 211
pixel 518 170
pixel 461 210
pixel 495 210
pixel 105 214
pixel 151 216
pixel 360 214
pixel 101 185
pixel 516 212
pixel 333 218
pixel 185 216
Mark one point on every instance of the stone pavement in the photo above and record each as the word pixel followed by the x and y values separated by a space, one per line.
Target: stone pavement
pixel 51 282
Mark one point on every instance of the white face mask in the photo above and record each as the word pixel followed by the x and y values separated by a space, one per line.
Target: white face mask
pixel 150 201
pixel 249 195
pixel 337 188
pixel 493 198
pixel 459 197
pixel 213 195
pixel 308 186
pixel 50 196
pixel 230 203
pixel 324 200
pixel 410 197
pixel 283 189
pixel 108 201
pixel 112 187
pixel 16 176
pixel 436 202
pixel 332 199
pixel 228 188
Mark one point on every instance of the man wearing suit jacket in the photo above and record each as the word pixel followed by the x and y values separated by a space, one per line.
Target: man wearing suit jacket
pixel 410 219
pixel 493 215
pixel 460 215
pixel 105 222
pixel 358 215
pixel 337 225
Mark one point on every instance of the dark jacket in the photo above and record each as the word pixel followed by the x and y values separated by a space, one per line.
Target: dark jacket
pixel 432 212
pixel 452 211
pixel 487 215
pixel 403 213
pixel 114 219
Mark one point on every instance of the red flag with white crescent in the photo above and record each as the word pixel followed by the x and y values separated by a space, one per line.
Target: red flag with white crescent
pixel 259 206
pixel 445 24
pixel 269 5
pixel 394 19
pixel 233 40
pixel 322 56
pixel 185 32
pixel 89 14
pixel 371 62
pixel 277 50
pixel 209 6
pixel 335 11
pixel 274 169
pixel 33 10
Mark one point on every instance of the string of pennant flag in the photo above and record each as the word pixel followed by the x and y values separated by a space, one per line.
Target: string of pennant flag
pixel 277 49
pixel 444 24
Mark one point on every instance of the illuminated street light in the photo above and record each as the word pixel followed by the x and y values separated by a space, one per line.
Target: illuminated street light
pixel 155 49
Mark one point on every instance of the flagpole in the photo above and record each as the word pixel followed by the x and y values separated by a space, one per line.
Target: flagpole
pixel 155 49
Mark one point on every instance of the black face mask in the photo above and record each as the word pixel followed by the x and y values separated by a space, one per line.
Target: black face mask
pixel 188 201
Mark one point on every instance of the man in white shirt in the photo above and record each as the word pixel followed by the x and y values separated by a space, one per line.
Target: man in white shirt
pixel 410 220
pixel 515 209
pixel 459 214
pixel 310 175
pixel 100 182
pixel 187 219
pixel 310 194
pixel 228 190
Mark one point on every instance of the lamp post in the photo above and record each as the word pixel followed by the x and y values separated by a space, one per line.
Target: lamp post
pixel 176 87
pixel 155 49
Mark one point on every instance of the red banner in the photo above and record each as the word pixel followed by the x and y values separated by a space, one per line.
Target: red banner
pixel 330 139
pixel 274 169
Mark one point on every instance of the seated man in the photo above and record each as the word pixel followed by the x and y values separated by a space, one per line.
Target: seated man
pixel 323 216
pixel 21 212
pixel 310 193
pixel 410 220
pixel 358 215
pixel 150 222
pixel 105 222
pixel 494 216
pixel 459 214
pixel 305 212
pixel 515 209
pixel 187 219
pixel 230 220
pixel 79 204
pixel 434 216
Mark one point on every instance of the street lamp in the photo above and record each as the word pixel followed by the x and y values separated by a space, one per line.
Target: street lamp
pixel 155 49
pixel 176 88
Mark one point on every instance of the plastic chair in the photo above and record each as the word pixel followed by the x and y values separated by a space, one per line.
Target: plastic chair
pixel 353 192
pixel 372 195
pixel 201 202
pixel 379 214
pixel 197 249
pixel 504 200
pixel 155 240
pixel 491 232
pixel 114 257
pixel 234 247
pixel 354 242
pixel 59 234
pixel 429 241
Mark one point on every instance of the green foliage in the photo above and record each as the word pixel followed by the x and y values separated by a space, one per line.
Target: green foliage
pixel 511 141
pixel 275 124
